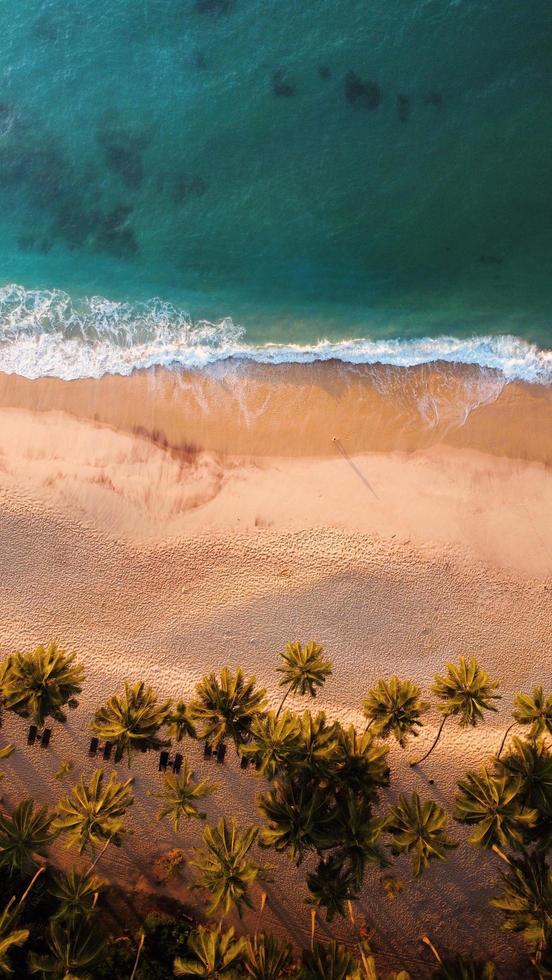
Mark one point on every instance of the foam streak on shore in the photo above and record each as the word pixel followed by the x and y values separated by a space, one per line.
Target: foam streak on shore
pixel 43 333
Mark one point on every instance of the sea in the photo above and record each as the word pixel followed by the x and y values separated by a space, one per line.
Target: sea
pixel 186 182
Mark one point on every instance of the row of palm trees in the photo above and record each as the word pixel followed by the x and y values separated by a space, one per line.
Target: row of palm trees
pixel 324 781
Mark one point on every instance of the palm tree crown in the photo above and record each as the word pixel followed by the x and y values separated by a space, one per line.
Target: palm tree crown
pixel 328 962
pixel 9 936
pixel 93 814
pixel 394 707
pixel 77 893
pixel 535 710
pixel 275 742
pixel 298 819
pixel 419 829
pixel 525 899
pixel 40 684
pixel 304 670
pixel 492 803
pixel 180 722
pixel 332 886
pixel 180 795
pixel 132 719
pixel 27 832
pixel 531 760
pixel 226 708
pixel 75 948
pixel 266 959
pixel 226 869
pixel 359 762
pixel 214 954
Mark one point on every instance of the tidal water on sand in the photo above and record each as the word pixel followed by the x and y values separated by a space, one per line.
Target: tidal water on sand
pixel 189 180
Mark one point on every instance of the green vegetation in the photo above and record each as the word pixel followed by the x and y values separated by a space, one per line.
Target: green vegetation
pixel 322 801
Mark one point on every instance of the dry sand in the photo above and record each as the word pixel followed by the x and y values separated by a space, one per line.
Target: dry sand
pixel 164 525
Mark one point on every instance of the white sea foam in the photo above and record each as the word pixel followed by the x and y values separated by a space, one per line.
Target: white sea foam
pixel 44 333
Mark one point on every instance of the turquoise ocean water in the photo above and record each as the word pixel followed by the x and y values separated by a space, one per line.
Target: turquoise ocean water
pixel 290 179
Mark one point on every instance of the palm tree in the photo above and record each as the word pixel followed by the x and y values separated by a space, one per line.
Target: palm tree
pixel 493 805
pixel 531 760
pixel 75 948
pixel 461 967
pixel 464 693
pixel 328 962
pixel 317 747
pixel 534 710
pixel 40 684
pixel 92 815
pixel 419 829
pixel 359 762
pixel 77 893
pixel 214 954
pixel 299 819
pixel 180 722
pixel 226 708
pixel 305 670
pixel 332 887
pixel 275 742
pixel 360 836
pixel 180 795
pixel 266 959
pixel 226 869
pixel 11 936
pixel 132 719
pixel 394 708
pixel 23 835
pixel 525 899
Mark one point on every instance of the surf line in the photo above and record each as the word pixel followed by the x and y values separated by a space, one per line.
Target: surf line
pixel 337 442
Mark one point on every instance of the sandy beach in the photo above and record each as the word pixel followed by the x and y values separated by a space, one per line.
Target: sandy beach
pixel 166 524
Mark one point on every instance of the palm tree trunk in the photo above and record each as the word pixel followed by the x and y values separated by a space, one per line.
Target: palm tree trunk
pixel 138 955
pixel 260 915
pixel 506 733
pixel 437 737
pixel 427 941
pixel 283 701
pixel 28 888
pixel 313 926
pixel 371 722
pixel 501 854
pixel 95 861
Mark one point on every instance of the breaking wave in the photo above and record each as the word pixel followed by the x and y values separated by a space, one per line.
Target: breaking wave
pixel 46 333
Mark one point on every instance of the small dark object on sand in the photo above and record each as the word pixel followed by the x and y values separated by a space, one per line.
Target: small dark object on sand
pixel 367 95
pixel 280 86
pixel 403 108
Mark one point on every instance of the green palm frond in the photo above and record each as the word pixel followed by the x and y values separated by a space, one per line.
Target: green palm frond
pixel 93 813
pixel 25 833
pixel 328 962
pixel 534 710
pixel 419 830
pixel 275 742
pixel 77 893
pixel 492 804
pixel 360 836
pixel 525 899
pixel 331 886
pixel 75 949
pixel 359 761
pixel 394 708
pixel 10 936
pixel 225 867
pixel 266 958
pixel 465 691
pixel 298 819
pixel 40 684
pixel 132 719
pixel 317 746
pixel 226 707
pixel 180 722
pixel 214 954
pixel 180 795
pixel 305 669
pixel 531 760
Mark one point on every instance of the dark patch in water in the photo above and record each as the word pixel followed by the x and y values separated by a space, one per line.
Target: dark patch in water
pixel 123 151
pixel 198 60
pixel 490 260
pixel 46 29
pixel 366 95
pixel 325 71
pixel 186 186
pixel 281 86
pixel 435 99
pixel 115 234
pixel 28 243
pixel 403 108
pixel 214 6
